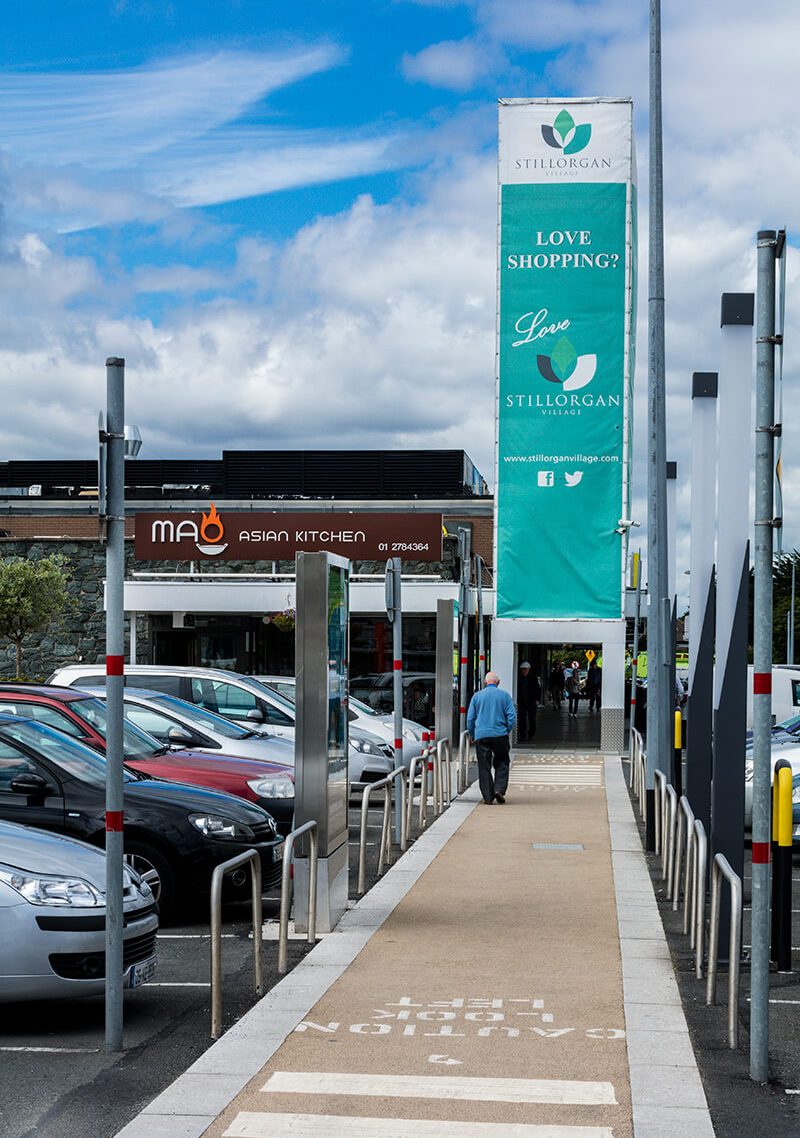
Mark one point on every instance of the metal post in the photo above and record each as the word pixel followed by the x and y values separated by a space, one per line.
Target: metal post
pixel 115 662
pixel 479 599
pixel 312 830
pixel 251 858
pixel 464 540
pixel 394 610
pixel 762 655
pixel 790 645
pixel 721 868
pixel 637 584
pixel 658 695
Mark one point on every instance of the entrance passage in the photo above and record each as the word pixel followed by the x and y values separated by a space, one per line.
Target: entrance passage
pixel 556 728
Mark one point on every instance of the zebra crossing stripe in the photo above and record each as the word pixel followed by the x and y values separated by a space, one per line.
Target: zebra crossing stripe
pixel 257 1125
pixel 443 1087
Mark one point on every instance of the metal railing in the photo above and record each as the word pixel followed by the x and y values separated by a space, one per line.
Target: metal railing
pixel 684 840
pixel 417 767
pixel 251 858
pixel 385 784
pixel 668 828
pixel 311 829
pixel 464 747
pixel 444 767
pixel 659 802
pixel 700 846
pixel 721 868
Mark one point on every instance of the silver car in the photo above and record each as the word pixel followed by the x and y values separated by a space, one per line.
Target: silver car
pixel 53 915
pixel 242 699
pixel 363 718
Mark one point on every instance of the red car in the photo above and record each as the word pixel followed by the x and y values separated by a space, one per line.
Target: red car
pixel 83 717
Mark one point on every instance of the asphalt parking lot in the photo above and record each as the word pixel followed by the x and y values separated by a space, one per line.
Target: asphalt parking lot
pixel 57 1081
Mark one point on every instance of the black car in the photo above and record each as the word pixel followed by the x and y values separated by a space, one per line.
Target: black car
pixel 175 835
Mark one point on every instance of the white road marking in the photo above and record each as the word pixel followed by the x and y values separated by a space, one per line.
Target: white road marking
pixel 56 1050
pixel 792 1092
pixel 182 984
pixel 780 1001
pixel 556 774
pixel 562 1091
pixel 445 1059
pixel 248 1124
pixel 195 936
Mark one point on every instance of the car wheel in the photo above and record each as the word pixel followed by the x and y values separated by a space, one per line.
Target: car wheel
pixel 151 864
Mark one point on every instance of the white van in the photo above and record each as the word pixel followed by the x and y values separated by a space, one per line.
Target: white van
pixel 785 693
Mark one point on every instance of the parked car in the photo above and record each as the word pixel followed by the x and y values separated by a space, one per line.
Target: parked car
pixel 377 690
pixel 362 716
pixel 242 699
pixel 53 914
pixel 83 716
pixel 783 747
pixel 175 835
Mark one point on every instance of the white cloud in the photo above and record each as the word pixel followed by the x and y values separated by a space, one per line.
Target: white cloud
pixel 455 65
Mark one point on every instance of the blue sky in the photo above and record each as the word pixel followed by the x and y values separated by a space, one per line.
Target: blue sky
pixel 283 215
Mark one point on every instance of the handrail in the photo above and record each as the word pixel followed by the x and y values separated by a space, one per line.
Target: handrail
pixel 660 797
pixel 286 891
pixel 252 858
pixel 636 742
pixel 684 837
pixel 642 781
pixel 463 761
pixel 444 759
pixel 699 896
pixel 384 784
pixel 669 824
pixel 721 868
pixel 413 770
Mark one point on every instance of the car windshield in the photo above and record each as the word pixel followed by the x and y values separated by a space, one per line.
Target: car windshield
pixel 363 708
pixel 70 756
pixel 271 694
pixel 136 744
pixel 199 716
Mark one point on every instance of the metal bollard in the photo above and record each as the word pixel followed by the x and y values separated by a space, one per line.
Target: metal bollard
pixel 384 784
pixel 250 857
pixel 660 796
pixel 671 818
pixel 286 892
pixel 719 869
pixel 699 896
pixel 683 838
pixel 782 867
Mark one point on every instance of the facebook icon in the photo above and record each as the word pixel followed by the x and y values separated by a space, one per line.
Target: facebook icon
pixel 546 478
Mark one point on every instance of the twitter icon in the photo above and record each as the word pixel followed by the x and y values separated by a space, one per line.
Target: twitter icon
pixel 573 479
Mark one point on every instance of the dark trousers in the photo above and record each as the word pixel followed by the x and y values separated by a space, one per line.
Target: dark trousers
pixel 526 721
pixel 574 699
pixel 594 699
pixel 493 752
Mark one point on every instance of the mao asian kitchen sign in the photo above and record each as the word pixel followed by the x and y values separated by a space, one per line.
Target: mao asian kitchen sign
pixel 255 536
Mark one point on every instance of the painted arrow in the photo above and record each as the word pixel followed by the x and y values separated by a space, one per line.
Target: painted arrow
pixel 443 1059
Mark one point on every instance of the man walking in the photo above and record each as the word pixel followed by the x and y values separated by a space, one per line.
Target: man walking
pixel 490 719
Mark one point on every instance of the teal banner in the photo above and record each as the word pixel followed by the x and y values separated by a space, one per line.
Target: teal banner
pixel 562 450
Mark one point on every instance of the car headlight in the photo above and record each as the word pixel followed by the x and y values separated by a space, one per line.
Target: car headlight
pixel 266 787
pixel 796 792
pixel 365 747
pixel 42 889
pixel 218 826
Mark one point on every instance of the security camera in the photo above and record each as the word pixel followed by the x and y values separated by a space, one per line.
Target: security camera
pixel 626 523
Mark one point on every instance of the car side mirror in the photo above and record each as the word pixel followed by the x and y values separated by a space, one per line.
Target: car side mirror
pixel 255 715
pixel 33 785
pixel 179 737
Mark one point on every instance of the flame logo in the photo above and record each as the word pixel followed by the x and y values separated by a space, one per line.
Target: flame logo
pixel 212 532
pixel 212 520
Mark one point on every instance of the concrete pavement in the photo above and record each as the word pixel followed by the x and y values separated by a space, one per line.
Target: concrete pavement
pixel 508 978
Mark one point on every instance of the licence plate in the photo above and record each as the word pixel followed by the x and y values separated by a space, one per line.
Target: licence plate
pixel 143 971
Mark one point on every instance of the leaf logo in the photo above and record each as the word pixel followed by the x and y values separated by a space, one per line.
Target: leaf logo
pixel 566 367
pixel 565 135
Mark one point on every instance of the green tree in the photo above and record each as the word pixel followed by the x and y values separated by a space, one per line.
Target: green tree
pixel 33 595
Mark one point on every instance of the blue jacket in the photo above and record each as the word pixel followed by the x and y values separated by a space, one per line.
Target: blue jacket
pixel 491 713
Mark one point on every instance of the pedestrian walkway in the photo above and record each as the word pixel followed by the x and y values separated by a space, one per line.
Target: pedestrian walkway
pixel 508 978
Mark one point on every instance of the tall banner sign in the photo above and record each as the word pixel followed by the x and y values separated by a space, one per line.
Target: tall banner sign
pixel 565 356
